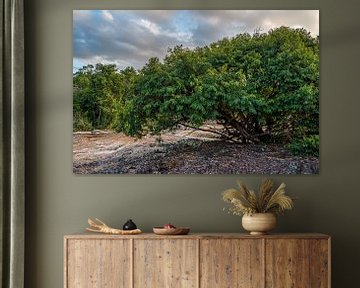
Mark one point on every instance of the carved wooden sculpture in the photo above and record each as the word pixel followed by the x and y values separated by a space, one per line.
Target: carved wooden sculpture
pixel 101 227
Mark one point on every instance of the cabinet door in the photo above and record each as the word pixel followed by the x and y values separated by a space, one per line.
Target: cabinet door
pixel 231 263
pixel 320 263
pixel 165 263
pixel 287 263
pixel 98 263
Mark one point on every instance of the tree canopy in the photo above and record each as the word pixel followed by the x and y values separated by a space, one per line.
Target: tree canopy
pixel 260 87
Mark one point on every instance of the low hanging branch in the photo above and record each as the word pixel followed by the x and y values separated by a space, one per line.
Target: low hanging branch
pixel 212 131
pixel 230 135
pixel 101 227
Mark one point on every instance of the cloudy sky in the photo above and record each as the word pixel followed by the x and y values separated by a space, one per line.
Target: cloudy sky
pixel 130 38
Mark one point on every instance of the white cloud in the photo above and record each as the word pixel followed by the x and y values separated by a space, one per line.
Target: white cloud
pixel 107 15
pixel 150 26
pixel 156 30
pixel 130 37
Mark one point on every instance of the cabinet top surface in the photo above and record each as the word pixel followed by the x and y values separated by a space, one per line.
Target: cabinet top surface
pixel 87 235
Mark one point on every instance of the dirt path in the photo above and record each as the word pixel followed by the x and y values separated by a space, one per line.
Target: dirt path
pixel 186 152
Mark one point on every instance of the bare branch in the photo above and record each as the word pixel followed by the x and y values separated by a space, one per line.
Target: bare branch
pixel 101 227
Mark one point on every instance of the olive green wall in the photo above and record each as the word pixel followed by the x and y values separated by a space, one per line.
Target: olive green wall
pixel 59 202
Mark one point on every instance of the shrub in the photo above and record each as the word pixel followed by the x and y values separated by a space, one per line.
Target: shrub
pixel 81 123
pixel 306 146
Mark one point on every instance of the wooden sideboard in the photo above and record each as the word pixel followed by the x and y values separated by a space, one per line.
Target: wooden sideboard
pixel 197 260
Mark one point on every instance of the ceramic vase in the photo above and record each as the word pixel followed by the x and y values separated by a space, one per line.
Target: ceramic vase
pixel 259 223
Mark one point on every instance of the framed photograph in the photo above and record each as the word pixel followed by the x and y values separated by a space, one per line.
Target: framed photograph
pixel 196 91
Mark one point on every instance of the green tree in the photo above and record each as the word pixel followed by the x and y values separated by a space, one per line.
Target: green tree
pixel 260 87
pixel 98 92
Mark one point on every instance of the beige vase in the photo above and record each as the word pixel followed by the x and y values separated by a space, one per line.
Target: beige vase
pixel 259 223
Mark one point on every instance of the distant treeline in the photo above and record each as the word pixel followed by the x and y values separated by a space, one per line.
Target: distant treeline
pixel 262 87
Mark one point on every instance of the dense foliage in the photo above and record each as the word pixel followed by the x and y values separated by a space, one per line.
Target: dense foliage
pixel 261 87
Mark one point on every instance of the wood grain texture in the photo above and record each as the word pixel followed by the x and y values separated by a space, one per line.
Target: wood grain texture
pixel 197 260
pixel 287 263
pixel 166 263
pixel 88 235
pixel 231 263
pixel 319 263
pixel 66 262
pixel 98 264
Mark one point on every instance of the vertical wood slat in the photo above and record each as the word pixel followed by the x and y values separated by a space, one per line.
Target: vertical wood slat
pixel 263 245
pixel 319 263
pixel 287 263
pixel 131 262
pixel 98 263
pixel 231 263
pixel 198 263
pixel 329 263
pixel 165 263
pixel 66 263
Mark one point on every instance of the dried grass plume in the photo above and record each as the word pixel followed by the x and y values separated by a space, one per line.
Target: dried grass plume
pixel 267 200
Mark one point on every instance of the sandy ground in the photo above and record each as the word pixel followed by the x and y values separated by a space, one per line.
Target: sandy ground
pixel 186 151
